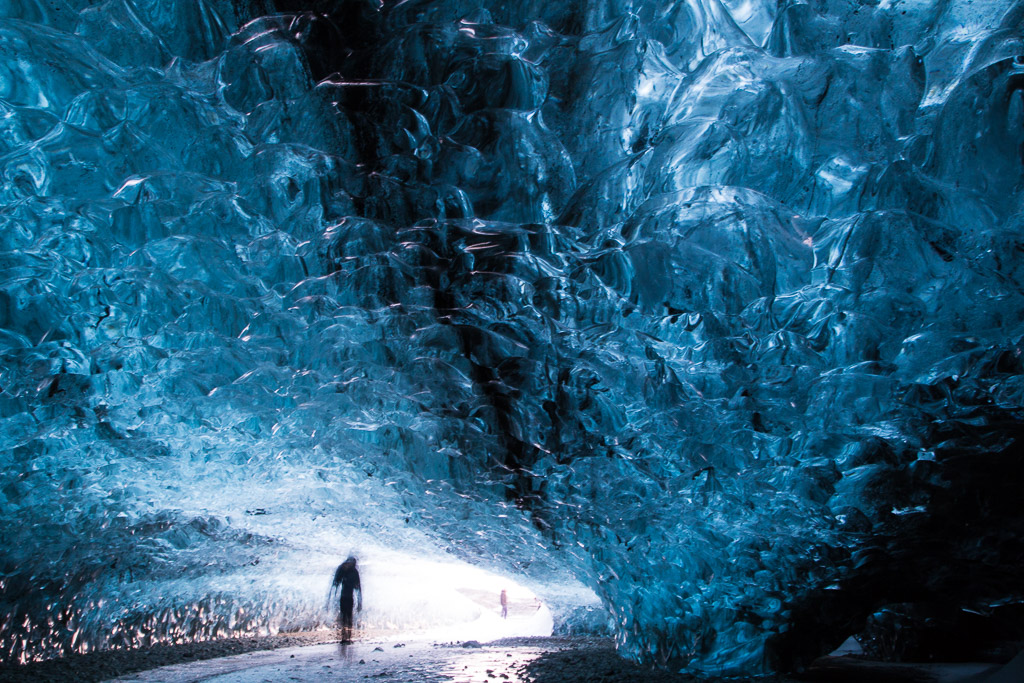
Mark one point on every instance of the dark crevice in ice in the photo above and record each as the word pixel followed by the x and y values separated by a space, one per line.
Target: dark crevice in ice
pixel 715 305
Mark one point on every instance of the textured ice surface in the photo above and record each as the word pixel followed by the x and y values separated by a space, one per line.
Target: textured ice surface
pixel 711 304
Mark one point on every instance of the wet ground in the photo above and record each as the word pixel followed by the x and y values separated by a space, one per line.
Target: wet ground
pixel 391 662
pixel 518 660
pixel 534 660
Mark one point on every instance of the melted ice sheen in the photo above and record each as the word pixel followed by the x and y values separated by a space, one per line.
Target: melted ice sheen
pixel 655 294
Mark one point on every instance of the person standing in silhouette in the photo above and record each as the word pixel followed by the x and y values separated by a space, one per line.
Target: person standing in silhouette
pixel 504 604
pixel 346 576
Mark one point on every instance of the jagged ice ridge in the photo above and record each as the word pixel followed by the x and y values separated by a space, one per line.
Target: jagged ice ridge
pixel 715 305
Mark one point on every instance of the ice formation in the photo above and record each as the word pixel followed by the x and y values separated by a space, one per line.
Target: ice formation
pixel 713 304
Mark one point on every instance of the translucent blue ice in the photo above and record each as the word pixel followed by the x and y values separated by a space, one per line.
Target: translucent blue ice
pixel 663 294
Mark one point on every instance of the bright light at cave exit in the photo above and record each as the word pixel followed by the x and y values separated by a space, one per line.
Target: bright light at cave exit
pixel 414 597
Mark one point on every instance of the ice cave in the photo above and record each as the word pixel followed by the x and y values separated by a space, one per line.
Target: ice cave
pixel 699 320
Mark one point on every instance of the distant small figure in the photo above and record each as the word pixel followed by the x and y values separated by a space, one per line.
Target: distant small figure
pixel 536 602
pixel 347 577
pixel 504 604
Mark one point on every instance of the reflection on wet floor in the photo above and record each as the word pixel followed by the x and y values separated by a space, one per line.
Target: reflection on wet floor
pixel 362 661
pixel 439 664
pixel 345 652
pixel 490 665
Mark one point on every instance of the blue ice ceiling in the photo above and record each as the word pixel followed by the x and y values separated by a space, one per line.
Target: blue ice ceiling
pixel 715 305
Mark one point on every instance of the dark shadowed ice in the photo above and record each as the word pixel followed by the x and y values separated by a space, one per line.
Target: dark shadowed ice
pixel 715 305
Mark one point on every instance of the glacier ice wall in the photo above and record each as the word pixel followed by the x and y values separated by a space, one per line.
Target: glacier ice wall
pixel 716 303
